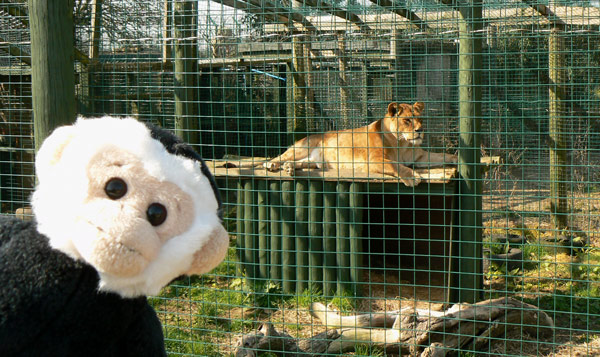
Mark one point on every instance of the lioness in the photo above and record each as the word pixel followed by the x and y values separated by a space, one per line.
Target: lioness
pixel 385 146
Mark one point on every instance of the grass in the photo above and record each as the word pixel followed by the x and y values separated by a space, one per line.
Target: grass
pixel 207 315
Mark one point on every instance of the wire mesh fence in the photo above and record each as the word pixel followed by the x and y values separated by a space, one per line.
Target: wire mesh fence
pixel 510 87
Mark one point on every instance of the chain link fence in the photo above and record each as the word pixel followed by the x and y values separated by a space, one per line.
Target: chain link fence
pixel 512 231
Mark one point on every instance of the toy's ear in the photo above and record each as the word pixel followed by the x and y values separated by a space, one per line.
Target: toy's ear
pixel 52 149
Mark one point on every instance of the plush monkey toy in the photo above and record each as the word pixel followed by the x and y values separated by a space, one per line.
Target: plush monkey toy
pixel 120 210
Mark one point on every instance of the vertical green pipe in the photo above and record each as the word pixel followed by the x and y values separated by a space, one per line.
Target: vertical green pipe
pixel 249 230
pixel 263 229
pixel 185 30
pixel 301 232
pixel 356 224
pixel 288 240
pixel 315 234
pixel 239 238
pixel 342 215
pixel 329 239
pixel 469 280
pixel 52 71
pixel 275 236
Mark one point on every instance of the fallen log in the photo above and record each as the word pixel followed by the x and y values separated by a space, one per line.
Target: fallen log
pixel 417 332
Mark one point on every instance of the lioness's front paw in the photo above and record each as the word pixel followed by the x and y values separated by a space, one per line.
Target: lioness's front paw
pixel 412 181
pixel 452 159
pixel 289 168
pixel 271 166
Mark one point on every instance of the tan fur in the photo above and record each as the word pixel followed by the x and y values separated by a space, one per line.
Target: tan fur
pixel 125 241
pixel 385 146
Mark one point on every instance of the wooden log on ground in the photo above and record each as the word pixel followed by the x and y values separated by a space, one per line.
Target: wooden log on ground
pixel 415 332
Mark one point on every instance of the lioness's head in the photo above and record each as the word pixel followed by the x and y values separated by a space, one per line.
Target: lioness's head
pixel 404 121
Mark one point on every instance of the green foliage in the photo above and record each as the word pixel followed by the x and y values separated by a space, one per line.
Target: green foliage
pixel 308 296
pixel 344 302
pixel 265 294
pixel 366 350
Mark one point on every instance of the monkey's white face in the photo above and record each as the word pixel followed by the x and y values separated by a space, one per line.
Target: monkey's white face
pixel 111 195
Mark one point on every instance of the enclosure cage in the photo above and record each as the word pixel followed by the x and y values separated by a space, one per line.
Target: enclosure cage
pixel 497 254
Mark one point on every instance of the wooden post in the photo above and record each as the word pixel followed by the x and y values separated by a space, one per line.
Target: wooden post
pixel 263 230
pixel 298 125
pixel 288 239
pixel 52 72
pixel 469 284
pixel 167 33
pixel 301 232
pixel 275 213
pixel 250 247
pixel 330 269
pixel 344 91
pixel 315 233
pixel 186 70
pixel 96 24
pixel 239 238
pixel 343 237
pixel 356 202
pixel 557 126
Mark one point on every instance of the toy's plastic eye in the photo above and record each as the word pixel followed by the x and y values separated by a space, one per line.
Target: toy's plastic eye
pixel 156 214
pixel 115 188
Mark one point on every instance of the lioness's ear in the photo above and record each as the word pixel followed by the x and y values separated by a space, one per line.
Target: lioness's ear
pixel 392 109
pixel 418 107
